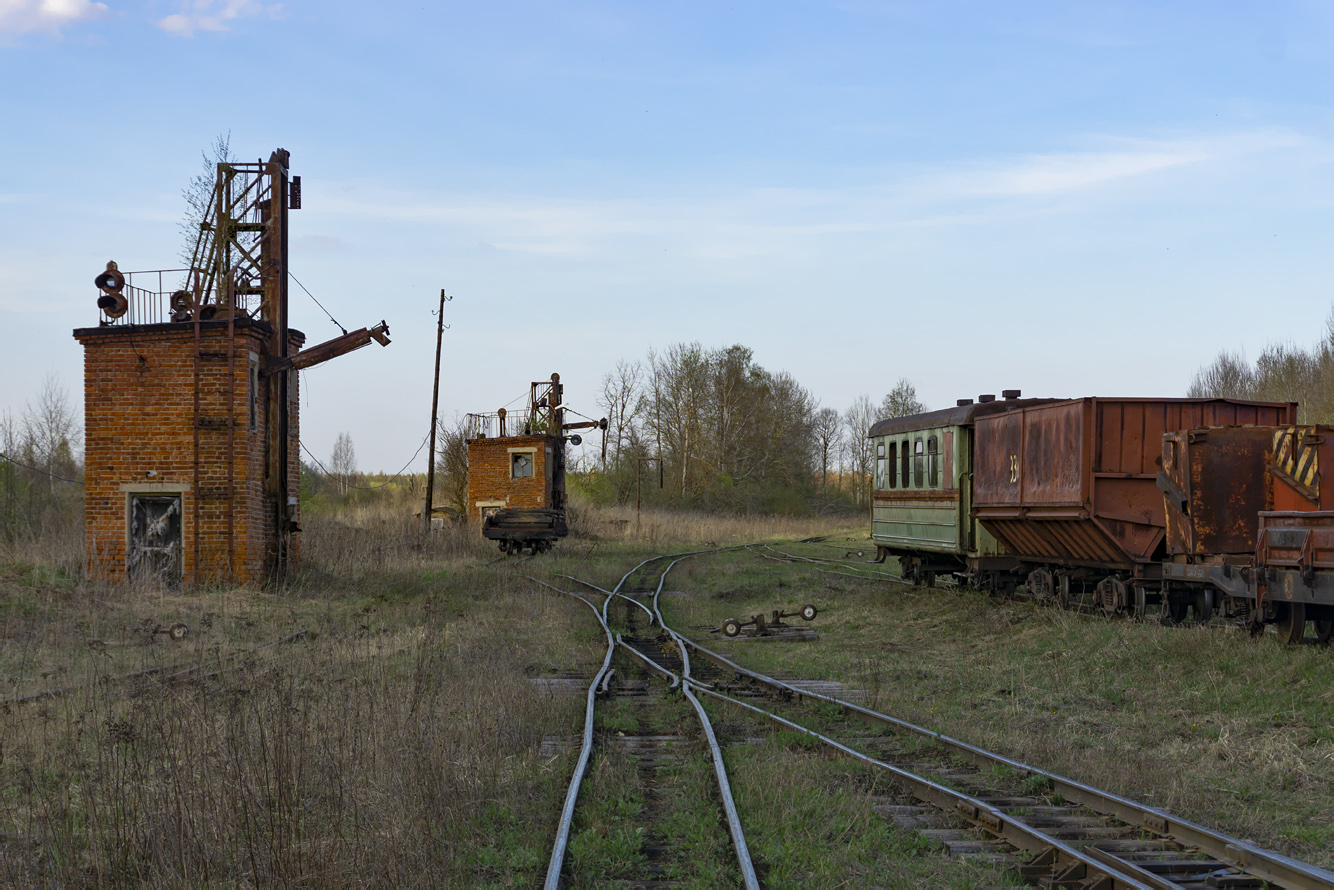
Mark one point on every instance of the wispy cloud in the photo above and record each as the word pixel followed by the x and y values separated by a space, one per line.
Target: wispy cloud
pixel 1058 172
pixel 207 15
pixel 882 207
pixel 23 16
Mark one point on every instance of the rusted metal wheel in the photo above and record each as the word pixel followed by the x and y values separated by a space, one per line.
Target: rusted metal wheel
pixel 1040 585
pixel 1204 606
pixel 1174 610
pixel 808 612
pixel 1290 622
pixel 1324 629
pixel 731 627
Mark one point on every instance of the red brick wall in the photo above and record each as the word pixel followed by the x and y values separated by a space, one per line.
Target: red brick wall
pixel 138 412
pixel 489 473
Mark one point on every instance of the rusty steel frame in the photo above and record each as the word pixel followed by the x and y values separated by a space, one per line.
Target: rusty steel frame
pixel 1265 864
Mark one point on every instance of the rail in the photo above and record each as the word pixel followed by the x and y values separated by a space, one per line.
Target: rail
pixel 1265 864
pixel 735 830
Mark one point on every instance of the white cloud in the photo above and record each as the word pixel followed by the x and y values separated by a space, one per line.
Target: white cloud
pixel 21 16
pixel 1048 174
pixel 207 15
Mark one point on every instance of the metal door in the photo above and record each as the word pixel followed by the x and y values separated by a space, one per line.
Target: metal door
pixel 155 538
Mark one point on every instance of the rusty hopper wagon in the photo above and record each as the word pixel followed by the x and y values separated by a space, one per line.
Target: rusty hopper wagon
pixel 1250 527
pixel 1071 489
pixel 516 470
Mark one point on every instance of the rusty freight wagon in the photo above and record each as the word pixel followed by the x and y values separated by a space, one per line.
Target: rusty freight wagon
pixel 1238 499
pixel 922 495
pixel 1070 489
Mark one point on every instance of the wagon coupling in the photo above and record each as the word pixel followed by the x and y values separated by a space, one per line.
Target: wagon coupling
pixel 732 627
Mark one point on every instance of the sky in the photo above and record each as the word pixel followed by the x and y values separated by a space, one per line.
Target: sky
pixel 1065 198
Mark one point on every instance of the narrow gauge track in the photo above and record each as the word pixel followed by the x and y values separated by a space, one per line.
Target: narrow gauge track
pixel 648 750
pixel 1074 835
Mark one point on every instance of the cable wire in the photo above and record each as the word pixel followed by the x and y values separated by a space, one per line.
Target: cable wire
pixel 17 463
pixel 317 302
pixel 328 472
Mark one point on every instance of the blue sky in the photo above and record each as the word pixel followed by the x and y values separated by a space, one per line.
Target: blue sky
pixel 1071 199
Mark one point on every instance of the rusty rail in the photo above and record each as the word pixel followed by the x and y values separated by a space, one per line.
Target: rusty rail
pixel 1265 864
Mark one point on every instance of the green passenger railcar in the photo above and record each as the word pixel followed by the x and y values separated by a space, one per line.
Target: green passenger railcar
pixel 922 495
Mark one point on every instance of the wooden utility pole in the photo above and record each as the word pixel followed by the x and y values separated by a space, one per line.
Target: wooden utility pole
pixel 435 404
pixel 639 465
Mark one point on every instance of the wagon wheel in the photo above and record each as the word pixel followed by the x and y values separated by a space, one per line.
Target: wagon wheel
pixel 1204 607
pixel 1291 622
pixel 808 612
pixel 731 627
pixel 1324 629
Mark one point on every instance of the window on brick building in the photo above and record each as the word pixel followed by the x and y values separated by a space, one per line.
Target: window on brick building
pixel 521 465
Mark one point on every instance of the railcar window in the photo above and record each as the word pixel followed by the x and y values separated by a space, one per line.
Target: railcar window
pixel 903 464
pixel 893 465
pixel 918 465
pixel 932 462
pixel 880 465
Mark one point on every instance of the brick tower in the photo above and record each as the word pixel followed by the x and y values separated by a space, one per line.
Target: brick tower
pixel 191 424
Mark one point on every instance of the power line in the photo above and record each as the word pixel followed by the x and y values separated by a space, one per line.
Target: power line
pixel 328 472
pixel 18 463
pixel 317 302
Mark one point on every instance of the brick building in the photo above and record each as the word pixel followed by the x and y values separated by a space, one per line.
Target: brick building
pixel 510 472
pixel 160 501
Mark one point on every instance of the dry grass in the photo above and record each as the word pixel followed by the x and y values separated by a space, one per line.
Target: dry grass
pixel 1231 732
pixel 397 743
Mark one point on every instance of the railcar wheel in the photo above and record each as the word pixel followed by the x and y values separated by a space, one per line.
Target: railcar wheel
pixel 808 612
pixel 1174 610
pixel 1290 622
pixel 1324 629
pixel 731 627
pixel 929 579
pixel 1204 606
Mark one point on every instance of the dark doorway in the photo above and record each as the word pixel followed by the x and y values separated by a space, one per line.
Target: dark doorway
pixel 155 538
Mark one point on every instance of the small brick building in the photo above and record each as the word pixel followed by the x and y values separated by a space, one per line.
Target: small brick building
pixel 148 509
pixel 510 472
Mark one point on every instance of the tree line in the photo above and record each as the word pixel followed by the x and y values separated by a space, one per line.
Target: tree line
pixel 713 429
pixel 1283 372
pixel 41 466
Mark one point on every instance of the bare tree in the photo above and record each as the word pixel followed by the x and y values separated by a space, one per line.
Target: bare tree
pixel 51 431
pixel 451 468
pixel 343 462
pixel 1228 377
pixel 622 391
pixel 857 422
pixel 198 193
pixel 901 401
pixel 827 427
